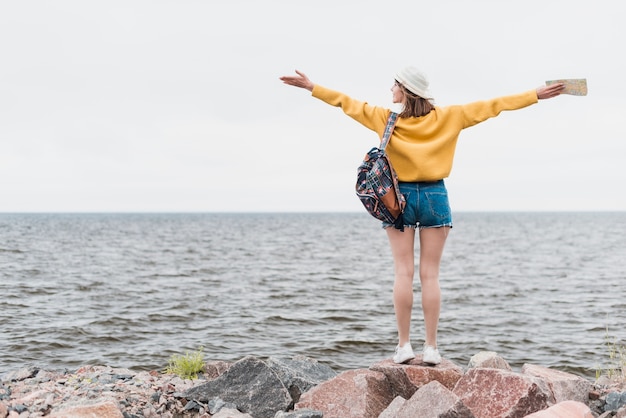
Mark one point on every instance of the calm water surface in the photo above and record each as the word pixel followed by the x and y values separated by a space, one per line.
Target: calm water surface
pixel 130 290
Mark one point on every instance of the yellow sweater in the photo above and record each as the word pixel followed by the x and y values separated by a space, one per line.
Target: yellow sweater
pixel 422 149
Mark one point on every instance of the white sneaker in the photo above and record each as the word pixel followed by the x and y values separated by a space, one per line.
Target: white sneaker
pixel 403 354
pixel 431 355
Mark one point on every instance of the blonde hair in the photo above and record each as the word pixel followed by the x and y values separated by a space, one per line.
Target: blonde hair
pixel 413 105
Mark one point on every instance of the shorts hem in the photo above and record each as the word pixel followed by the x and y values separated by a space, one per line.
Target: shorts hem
pixel 386 225
pixel 448 224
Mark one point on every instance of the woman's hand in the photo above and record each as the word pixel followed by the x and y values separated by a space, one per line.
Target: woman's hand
pixel 553 90
pixel 301 80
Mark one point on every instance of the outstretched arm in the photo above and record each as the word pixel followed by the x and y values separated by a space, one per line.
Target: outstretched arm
pixel 300 80
pixel 553 90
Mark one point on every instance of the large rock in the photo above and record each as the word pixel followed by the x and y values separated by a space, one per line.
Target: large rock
pixel 566 409
pixel 407 378
pixel 299 374
pixel 394 407
pixel 352 394
pixel 489 360
pixel 564 386
pixel 495 393
pixel 434 400
pixel 250 384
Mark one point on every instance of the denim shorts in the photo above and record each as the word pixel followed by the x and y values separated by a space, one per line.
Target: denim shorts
pixel 427 205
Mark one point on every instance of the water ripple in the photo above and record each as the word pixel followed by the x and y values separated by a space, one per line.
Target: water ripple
pixel 129 290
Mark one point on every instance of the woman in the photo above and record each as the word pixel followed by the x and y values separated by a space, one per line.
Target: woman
pixel 421 150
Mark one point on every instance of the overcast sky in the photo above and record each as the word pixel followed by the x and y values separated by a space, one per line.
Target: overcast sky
pixel 152 105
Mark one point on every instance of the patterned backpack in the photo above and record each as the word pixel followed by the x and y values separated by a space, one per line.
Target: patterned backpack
pixel 377 182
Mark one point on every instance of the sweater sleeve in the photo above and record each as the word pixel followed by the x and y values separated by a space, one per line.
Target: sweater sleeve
pixel 372 117
pixel 474 113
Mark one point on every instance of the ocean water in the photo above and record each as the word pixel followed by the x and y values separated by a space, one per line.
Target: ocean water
pixel 130 290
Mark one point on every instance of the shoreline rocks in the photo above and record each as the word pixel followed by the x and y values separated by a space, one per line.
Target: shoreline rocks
pixel 301 387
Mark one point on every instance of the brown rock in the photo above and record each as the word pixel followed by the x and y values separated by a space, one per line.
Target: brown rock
pixel 564 386
pixel 407 378
pixel 494 393
pixel 488 359
pixel 352 394
pixel 106 409
pixel 214 369
pixel 594 395
pixel 566 409
pixel 434 400
pixel 3 410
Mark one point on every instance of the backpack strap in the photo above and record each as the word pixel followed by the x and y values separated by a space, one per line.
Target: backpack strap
pixel 391 123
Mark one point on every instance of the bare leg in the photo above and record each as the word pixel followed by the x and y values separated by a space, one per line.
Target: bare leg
pixel 432 241
pixel 402 249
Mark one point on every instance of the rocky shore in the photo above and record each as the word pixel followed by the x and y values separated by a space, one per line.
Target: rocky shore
pixel 301 387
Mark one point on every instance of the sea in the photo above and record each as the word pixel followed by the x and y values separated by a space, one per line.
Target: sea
pixel 131 290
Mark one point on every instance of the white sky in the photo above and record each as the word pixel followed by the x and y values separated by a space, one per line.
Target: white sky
pixel 153 105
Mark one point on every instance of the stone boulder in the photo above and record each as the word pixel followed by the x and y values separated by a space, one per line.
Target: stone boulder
pixel 434 400
pixel 495 393
pixel 250 384
pixel 566 409
pixel 407 378
pixel 356 393
pixel 564 386
pixel 299 374
pixel 394 407
pixel 488 360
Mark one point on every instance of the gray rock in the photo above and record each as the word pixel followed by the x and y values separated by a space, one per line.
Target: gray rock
pixel 5 393
pixel 250 384
pixel 19 375
pixel 300 373
pixel 216 405
pixel 192 406
pixel 614 401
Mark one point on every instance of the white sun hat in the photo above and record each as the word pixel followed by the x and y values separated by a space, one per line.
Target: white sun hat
pixel 414 81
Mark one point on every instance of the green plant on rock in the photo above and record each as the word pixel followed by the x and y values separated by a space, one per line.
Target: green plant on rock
pixel 616 367
pixel 188 365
